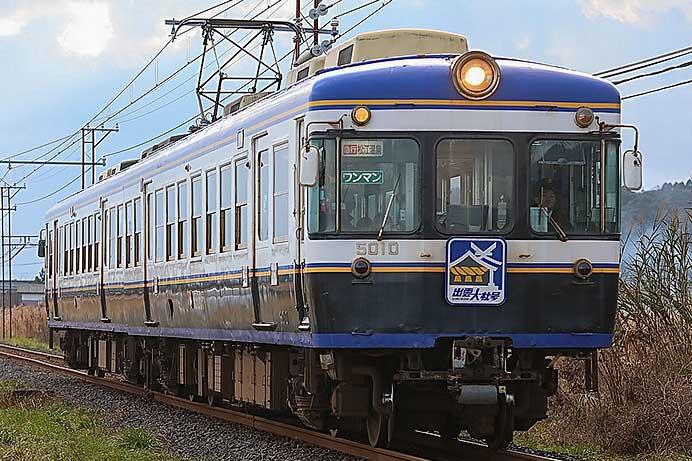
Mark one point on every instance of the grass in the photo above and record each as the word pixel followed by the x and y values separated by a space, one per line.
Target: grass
pixel 541 438
pixel 28 343
pixel 57 432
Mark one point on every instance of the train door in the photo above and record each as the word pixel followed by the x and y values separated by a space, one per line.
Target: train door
pixel 259 222
pixel 103 231
pixel 299 213
pixel 54 239
pixel 148 250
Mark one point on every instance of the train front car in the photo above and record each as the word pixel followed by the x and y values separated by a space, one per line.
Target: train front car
pixel 462 230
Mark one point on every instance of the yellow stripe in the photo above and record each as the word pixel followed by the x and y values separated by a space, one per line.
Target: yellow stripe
pixel 407 269
pixel 463 103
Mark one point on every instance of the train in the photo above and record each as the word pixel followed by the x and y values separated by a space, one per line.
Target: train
pixel 401 239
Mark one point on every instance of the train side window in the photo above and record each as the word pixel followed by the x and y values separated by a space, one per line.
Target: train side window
pixel 72 248
pixel 170 223
pixel 77 245
pixel 322 197
pixel 97 240
pixel 226 222
pixel 263 187
pixel 280 205
pixel 85 237
pixel 129 231
pixel 50 254
pixel 66 250
pixel 150 226
pixel 112 237
pixel 212 221
pixel 160 223
pixel 241 178
pixel 182 220
pixel 197 210
pixel 137 226
pixel 90 243
pixel 119 241
pixel 345 56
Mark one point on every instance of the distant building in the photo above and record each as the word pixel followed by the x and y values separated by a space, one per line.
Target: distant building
pixel 26 292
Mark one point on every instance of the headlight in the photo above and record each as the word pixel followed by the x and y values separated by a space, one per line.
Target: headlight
pixel 476 75
pixel 583 117
pixel 361 115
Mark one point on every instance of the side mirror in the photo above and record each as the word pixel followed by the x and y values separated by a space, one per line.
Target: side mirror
pixel 632 170
pixel 42 248
pixel 309 165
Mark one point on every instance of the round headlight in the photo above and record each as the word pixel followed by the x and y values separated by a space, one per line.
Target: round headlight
pixel 360 268
pixel 476 75
pixel 583 268
pixel 361 115
pixel 583 117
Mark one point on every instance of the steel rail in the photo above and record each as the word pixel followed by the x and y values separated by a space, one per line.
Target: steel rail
pixel 458 451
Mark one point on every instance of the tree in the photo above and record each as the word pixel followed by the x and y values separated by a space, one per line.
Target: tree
pixel 41 277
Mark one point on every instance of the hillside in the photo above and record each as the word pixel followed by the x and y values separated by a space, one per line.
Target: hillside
pixel 641 207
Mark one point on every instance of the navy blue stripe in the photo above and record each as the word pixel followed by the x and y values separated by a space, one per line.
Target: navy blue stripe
pixel 546 108
pixel 348 340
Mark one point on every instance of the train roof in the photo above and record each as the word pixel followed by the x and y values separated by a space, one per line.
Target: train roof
pixel 397 81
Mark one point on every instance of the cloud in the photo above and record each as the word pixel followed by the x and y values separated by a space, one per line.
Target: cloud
pixel 635 11
pixel 88 30
pixel 523 43
pixel 13 23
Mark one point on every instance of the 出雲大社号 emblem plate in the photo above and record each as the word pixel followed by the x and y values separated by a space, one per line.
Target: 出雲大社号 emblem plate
pixel 475 271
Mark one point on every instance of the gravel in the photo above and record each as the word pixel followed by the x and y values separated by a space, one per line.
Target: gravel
pixel 183 433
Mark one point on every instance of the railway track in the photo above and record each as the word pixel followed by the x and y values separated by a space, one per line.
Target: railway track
pixel 428 447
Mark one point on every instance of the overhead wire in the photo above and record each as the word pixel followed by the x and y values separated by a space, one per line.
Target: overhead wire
pixel 655 72
pixel 656 90
pixel 644 63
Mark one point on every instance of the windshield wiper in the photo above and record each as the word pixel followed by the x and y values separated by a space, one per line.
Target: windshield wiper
pixel 561 234
pixel 389 207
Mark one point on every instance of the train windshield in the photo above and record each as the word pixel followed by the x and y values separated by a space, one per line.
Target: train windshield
pixel 474 186
pixel 378 184
pixel 566 185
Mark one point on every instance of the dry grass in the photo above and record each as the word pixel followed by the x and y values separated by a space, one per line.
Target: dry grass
pixel 645 404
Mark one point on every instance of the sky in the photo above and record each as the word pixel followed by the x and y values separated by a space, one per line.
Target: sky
pixel 65 59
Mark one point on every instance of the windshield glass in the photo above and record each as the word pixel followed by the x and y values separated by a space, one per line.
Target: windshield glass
pixel 474 186
pixel 566 184
pixel 373 172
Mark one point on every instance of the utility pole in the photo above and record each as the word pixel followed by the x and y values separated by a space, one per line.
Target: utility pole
pixel 316 26
pixel 9 192
pixel 89 137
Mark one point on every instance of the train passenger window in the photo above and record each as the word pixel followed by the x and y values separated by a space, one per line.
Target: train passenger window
pixel 565 187
pixel 137 223
pixel 226 222
pixel 121 232
pixel 129 231
pixel 280 205
pixel 322 198
pixel 380 185
pixel 160 225
pixel 474 186
pixel 85 237
pixel 150 226
pixel 212 221
pixel 72 245
pixel 66 250
pixel 170 224
pixel 197 210
pixel 263 197
pixel 241 178
pixel 97 240
pixel 90 243
pixel 77 245
pixel 112 227
pixel 50 254
pixel 182 220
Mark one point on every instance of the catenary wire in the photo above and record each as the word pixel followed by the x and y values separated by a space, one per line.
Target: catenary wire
pixel 648 62
pixel 656 90
pixel 655 72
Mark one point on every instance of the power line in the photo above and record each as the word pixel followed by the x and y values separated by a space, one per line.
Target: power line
pixel 384 4
pixel 37 147
pixel 656 90
pixel 655 72
pixel 648 62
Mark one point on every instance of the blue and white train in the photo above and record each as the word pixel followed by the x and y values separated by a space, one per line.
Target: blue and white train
pixel 401 239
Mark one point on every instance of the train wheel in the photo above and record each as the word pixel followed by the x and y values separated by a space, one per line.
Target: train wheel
pixel 377 426
pixel 504 425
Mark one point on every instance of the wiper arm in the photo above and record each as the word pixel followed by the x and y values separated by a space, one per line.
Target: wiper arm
pixel 561 234
pixel 389 207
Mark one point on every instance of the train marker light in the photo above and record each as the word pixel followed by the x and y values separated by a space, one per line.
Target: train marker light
pixel 583 117
pixel 583 268
pixel 361 115
pixel 360 268
pixel 476 75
